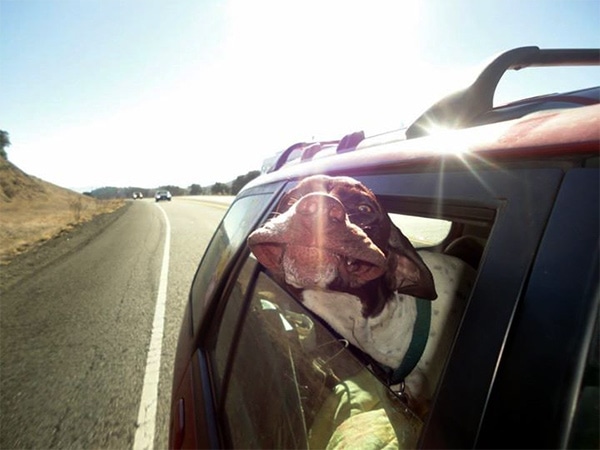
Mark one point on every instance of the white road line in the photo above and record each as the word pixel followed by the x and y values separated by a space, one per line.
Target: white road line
pixel 144 434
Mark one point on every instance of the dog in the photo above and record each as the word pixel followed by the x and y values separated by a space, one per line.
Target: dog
pixel 336 248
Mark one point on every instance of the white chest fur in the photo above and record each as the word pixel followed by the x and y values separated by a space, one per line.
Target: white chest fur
pixel 386 337
pixel 373 335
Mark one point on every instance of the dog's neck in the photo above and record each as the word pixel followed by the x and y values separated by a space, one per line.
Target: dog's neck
pixel 373 295
pixel 386 336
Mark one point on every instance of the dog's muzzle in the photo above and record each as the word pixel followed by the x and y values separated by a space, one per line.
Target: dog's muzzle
pixel 314 242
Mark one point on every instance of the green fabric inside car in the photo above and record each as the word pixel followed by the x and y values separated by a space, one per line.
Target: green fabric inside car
pixel 360 413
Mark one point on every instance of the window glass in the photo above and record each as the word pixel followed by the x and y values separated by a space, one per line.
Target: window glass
pixel 229 322
pixel 292 384
pixel 231 234
pixel 422 231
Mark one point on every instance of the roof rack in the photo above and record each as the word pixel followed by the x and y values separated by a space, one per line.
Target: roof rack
pixel 461 108
pixel 307 150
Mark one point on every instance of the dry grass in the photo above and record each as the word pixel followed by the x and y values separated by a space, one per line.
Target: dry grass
pixel 33 211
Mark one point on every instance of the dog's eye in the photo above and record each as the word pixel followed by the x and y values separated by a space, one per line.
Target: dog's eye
pixel 365 209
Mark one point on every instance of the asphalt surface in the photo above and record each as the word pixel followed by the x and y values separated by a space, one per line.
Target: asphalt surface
pixel 75 324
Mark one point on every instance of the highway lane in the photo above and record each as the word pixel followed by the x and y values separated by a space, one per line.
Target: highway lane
pixel 193 222
pixel 74 336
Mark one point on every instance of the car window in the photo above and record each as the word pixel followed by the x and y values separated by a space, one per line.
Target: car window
pixel 299 402
pixel 230 235
pixel 293 384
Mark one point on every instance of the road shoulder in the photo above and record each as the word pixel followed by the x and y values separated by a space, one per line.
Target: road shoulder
pixel 24 265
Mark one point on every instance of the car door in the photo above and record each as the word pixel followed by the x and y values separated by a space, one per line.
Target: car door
pixel 236 355
pixel 550 360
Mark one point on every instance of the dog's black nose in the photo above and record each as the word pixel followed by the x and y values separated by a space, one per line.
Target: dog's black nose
pixel 321 205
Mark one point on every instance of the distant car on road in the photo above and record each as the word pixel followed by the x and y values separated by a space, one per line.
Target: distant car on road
pixel 162 195
pixel 137 195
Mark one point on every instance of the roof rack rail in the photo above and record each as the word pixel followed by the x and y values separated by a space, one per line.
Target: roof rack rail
pixel 350 141
pixel 309 149
pixel 461 108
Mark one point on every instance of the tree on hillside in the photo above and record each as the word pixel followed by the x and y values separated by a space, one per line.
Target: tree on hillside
pixel 195 189
pixel 242 181
pixel 219 189
pixel 4 142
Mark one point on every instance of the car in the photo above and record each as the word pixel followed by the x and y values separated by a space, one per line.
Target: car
pixel 137 195
pixel 162 195
pixel 522 182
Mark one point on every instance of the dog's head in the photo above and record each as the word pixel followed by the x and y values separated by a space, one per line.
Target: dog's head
pixel 331 233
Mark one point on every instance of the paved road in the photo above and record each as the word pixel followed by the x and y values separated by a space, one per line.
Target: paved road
pixel 74 335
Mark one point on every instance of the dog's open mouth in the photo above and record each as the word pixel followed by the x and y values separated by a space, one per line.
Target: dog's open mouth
pixel 309 266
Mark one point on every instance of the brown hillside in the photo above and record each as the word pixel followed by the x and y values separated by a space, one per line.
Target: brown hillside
pixel 33 211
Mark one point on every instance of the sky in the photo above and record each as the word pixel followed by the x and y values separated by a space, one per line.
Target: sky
pixel 148 93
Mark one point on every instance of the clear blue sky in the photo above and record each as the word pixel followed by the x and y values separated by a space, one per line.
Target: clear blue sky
pixel 147 93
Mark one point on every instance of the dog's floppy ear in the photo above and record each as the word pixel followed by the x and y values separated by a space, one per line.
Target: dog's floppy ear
pixel 408 273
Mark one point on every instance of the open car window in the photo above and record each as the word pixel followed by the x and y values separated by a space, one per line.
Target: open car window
pixel 285 380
